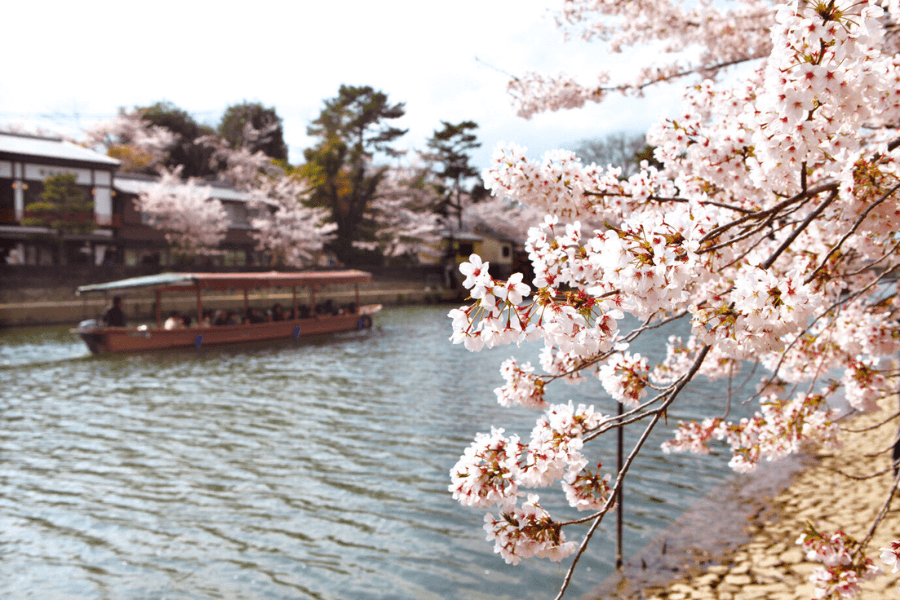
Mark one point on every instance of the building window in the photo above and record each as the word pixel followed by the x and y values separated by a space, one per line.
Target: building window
pixel 237 215
pixel 506 251
pixel 7 201
pixel 466 248
pixel 235 258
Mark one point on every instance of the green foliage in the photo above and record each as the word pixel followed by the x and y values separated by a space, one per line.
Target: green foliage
pixel 449 157
pixel 258 128
pixel 195 157
pixel 450 147
pixel 351 130
pixel 63 206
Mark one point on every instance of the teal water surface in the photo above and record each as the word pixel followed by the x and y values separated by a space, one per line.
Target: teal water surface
pixel 316 469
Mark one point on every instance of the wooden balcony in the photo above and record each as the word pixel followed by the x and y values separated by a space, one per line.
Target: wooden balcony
pixel 12 217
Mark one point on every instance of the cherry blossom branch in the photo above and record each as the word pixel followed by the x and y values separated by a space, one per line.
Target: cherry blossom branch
pixel 822 314
pixel 683 73
pixel 881 515
pixel 872 265
pixel 797 231
pixel 657 414
pixel 851 231
pixel 802 196
pixel 875 475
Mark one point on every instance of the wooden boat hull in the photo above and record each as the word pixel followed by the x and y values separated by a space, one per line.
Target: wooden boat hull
pixel 129 339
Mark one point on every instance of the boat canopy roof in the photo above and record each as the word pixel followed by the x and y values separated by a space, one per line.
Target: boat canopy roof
pixel 228 281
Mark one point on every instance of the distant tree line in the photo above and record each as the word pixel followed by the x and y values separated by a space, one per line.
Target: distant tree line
pixel 364 209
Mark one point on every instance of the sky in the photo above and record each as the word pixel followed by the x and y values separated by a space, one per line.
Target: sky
pixel 68 64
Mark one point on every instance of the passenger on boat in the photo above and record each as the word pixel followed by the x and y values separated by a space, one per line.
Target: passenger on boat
pixel 114 316
pixel 253 316
pixel 175 321
pixel 278 313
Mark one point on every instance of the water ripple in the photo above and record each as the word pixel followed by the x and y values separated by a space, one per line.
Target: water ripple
pixel 305 470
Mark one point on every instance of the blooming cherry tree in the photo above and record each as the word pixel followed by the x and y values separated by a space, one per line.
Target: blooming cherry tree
pixel 138 144
pixel 292 233
pixel 193 221
pixel 403 213
pixel 771 228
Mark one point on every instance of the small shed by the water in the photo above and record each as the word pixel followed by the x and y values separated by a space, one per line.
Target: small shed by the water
pixel 456 246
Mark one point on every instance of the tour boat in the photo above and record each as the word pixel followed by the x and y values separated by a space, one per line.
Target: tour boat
pixel 303 317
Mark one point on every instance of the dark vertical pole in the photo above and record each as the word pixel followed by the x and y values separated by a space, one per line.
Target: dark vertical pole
pixel 895 454
pixel 620 460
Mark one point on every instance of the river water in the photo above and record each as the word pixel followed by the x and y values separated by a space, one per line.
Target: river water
pixel 316 469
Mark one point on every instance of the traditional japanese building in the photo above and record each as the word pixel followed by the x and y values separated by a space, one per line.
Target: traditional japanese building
pixel 121 235
pixel 139 243
pixel 26 161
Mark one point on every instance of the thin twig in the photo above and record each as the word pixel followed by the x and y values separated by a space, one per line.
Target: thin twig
pixel 860 477
pixel 850 232
pixel 793 236
pixel 627 464
pixel 881 514
pixel 810 193
pixel 876 426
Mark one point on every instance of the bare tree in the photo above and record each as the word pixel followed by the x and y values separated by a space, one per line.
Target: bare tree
pixel 623 149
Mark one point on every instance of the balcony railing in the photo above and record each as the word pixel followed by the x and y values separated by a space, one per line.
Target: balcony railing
pixel 14 217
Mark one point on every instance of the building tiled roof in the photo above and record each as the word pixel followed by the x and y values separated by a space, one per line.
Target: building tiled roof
pixel 49 147
pixel 135 184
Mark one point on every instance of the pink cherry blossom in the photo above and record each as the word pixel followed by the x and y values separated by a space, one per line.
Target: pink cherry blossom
pixel 768 223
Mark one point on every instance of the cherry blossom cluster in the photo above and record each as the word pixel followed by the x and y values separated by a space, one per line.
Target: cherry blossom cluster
pixel 769 221
pixel 850 341
pixel 129 138
pixel 725 35
pixel 680 355
pixel 485 474
pixel 292 233
pixel 587 490
pixel 777 430
pixel 192 220
pixel 891 556
pixel 494 468
pixel 759 312
pixel 522 387
pixel 821 81
pixel 625 377
pixel 864 385
pixel 403 213
pixel 525 532
pixel 575 323
pixel 558 183
pixel 534 93
pixel 844 568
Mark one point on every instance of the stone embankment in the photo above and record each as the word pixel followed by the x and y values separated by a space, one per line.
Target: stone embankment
pixel 771 565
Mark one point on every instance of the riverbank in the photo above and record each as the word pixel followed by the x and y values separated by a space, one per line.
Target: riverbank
pixel 771 565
